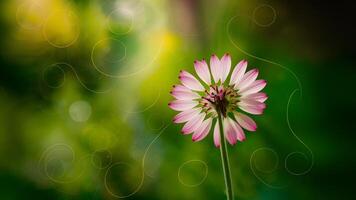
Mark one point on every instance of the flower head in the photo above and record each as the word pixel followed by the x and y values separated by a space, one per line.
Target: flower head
pixel 199 101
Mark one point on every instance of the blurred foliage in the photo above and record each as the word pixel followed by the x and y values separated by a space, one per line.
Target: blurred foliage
pixel 84 90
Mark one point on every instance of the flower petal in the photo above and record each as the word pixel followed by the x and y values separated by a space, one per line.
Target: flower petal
pixel 185 95
pixel 226 66
pixel 238 72
pixel 245 121
pixel 247 79
pixel 202 131
pixel 190 81
pixel 251 102
pixel 239 132
pixel 193 124
pixel 186 115
pixel 217 135
pixel 229 129
pixel 181 105
pixel 216 69
pixel 180 88
pixel 202 69
pixel 254 87
pixel 260 97
pixel 252 109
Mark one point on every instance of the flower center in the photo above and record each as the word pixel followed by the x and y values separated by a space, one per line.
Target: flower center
pixel 220 99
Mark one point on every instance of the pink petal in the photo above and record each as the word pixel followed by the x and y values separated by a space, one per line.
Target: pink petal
pixel 252 109
pixel 226 66
pixel 238 72
pixel 180 88
pixel 251 102
pixel 202 131
pixel 247 79
pixel 254 87
pixel 239 132
pixel 260 97
pixel 202 70
pixel 186 115
pixel 181 105
pixel 190 81
pixel 229 129
pixel 216 69
pixel 217 135
pixel 193 124
pixel 185 95
pixel 245 121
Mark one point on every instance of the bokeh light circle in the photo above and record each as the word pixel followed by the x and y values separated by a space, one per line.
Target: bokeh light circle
pixel 119 172
pixel 112 51
pixel 29 15
pixel 268 162
pixel 120 21
pixel 259 10
pixel 54 76
pixel 80 111
pixel 295 155
pixel 61 29
pixel 127 16
pixel 185 166
pixel 264 170
pixel 60 164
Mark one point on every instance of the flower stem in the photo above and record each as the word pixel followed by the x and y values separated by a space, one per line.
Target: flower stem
pixel 225 161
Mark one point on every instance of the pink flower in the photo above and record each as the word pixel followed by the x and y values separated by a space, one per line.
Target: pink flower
pixel 199 100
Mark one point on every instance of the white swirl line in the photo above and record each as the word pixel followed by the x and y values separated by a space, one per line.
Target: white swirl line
pixel 256 175
pixel 77 76
pixel 142 170
pixel 202 180
pixel 301 141
pixel 259 58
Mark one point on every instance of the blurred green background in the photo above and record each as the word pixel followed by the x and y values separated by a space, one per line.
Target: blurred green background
pixel 85 84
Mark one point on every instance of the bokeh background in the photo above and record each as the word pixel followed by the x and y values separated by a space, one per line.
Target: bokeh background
pixel 85 84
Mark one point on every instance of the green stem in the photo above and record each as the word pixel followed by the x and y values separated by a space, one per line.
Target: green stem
pixel 225 161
